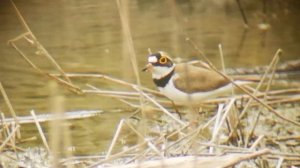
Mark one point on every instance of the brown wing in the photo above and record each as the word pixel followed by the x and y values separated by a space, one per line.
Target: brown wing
pixel 196 79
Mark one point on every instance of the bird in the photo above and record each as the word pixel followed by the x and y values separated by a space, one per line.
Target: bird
pixel 184 83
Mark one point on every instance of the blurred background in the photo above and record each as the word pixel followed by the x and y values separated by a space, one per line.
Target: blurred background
pixel 87 37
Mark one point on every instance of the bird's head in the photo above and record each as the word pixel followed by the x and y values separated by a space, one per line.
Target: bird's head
pixel 159 64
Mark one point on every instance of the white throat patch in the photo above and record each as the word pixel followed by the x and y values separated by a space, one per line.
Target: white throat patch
pixel 152 59
pixel 159 71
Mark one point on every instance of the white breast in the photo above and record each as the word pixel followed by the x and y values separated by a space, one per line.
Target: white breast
pixel 180 97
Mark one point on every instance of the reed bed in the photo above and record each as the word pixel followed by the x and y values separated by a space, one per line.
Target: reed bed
pixel 256 128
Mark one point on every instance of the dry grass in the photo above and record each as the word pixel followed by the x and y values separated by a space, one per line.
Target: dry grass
pixel 233 132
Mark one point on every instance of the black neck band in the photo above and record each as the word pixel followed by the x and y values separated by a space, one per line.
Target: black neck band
pixel 162 82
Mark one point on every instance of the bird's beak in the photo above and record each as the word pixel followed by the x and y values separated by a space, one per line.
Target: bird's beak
pixel 148 67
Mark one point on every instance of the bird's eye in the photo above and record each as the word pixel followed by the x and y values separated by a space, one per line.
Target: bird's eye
pixel 163 60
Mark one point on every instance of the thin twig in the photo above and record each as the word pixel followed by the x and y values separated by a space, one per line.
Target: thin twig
pixel 256 142
pixel 243 13
pixel 222 58
pixel 40 130
pixel 279 163
pixel 216 125
pixel 114 140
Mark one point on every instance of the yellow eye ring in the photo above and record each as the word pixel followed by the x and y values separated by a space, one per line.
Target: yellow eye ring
pixel 163 60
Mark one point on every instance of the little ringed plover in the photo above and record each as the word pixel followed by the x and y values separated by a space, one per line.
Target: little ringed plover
pixel 184 83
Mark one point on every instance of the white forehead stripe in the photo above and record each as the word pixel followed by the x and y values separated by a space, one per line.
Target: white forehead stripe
pixel 152 59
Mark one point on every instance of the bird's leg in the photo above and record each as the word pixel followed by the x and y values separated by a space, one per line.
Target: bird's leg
pixel 193 117
pixel 176 109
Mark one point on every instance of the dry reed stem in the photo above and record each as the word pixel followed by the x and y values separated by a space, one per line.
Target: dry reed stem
pixel 242 13
pixel 108 92
pixel 222 58
pixel 270 93
pixel 273 70
pixel 115 80
pixel 67 141
pixel 70 86
pixel 192 133
pixel 227 110
pixel 13 146
pixel 23 35
pixel 272 64
pixel 149 143
pixel 192 161
pixel 164 110
pixel 286 138
pixel 46 53
pixel 119 128
pixel 144 154
pixel 129 103
pixel 128 38
pixel 10 107
pixel 114 140
pixel 252 129
pixel 39 46
pixel 49 117
pixel 117 155
pixel 9 137
pixel 13 139
pixel 158 141
pixel 112 96
pixel 120 95
pixel 256 142
pixel 279 163
pixel 123 11
pixel 6 130
pixel 21 18
pixel 216 125
pixel 56 126
pixel 212 101
pixel 163 139
pixel 40 131
pixel 275 112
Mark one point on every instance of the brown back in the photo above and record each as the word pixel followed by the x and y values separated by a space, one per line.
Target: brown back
pixel 197 79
